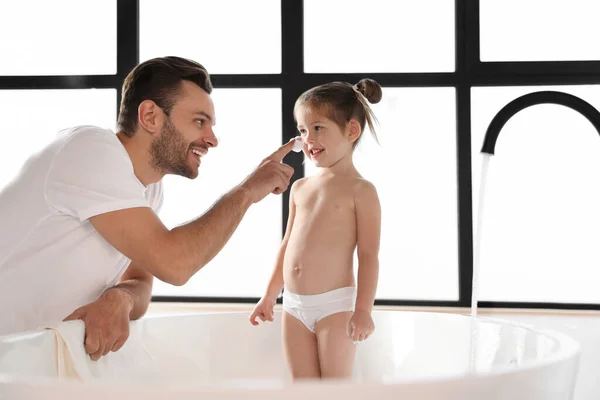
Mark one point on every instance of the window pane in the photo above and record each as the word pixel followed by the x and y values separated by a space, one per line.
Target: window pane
pixel 226 36
pixel 414 171
pixel 59 37
pixel 31 119
pixel 378 36
pixel 540 30
pixel 541 219
pixel 244 266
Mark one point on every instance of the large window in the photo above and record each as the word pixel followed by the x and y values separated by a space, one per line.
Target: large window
pixel 58 37
pixel 447 68
pixel 539 30
pixel 541 216
pixel 226 36
pixel 378 36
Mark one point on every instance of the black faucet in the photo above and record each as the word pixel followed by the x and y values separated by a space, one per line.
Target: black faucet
pixel 531 99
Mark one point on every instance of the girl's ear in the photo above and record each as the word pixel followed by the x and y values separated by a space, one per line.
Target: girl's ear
pixel 354 130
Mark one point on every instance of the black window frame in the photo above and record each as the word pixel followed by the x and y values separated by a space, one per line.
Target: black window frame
pixel 470 72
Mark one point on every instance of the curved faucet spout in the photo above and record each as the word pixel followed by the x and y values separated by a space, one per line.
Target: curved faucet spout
pixel 531 99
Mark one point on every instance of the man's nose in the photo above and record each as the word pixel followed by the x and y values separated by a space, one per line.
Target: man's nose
pixel 211 139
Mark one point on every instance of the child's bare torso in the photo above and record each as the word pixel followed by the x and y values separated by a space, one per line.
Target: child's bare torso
pixel 320 251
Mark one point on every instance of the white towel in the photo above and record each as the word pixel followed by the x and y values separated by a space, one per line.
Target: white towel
pixel 141 358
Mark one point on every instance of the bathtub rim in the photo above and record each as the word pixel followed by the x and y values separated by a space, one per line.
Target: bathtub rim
pixel 569 350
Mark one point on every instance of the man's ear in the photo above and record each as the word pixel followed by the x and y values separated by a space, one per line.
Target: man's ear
pixel 354 130
pixel 150 116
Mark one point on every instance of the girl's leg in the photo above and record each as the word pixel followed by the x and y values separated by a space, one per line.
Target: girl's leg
pixel 300 348
pixel 336 350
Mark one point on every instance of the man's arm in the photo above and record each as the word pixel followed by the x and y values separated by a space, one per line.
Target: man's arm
pixel 107 319
pixel 136 284
pixel 174 256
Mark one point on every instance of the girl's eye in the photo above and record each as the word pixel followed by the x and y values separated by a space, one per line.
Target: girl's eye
pixel 318 128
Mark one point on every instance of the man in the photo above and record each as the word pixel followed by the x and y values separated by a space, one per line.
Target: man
pixel 80 237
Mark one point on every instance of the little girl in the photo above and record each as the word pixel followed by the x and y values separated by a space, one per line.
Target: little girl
pixel 331 214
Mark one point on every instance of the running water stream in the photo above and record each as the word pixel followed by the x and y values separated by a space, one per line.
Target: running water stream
pixel 478 234
pixel 476 264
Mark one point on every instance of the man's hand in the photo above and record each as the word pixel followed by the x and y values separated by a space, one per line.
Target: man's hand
pixel 360 327
pixel 271 176
pixel 106 322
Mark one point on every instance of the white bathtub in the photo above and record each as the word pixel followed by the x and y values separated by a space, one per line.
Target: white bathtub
pixel 410 356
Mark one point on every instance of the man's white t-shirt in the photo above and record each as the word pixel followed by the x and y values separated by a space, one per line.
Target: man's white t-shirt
pixel 52 260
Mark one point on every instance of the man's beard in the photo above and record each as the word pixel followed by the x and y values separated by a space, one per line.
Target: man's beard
pixel 170 153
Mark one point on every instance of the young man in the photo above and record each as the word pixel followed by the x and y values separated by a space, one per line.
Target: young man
pixel 80 237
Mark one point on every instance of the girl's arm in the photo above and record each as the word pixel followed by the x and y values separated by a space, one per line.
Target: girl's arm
pixel 276 282
pixel 368 228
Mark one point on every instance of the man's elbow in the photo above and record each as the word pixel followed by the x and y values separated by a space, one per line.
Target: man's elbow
pixel 170 269
pixel 172 274
pixel 164 260
pixel 178 281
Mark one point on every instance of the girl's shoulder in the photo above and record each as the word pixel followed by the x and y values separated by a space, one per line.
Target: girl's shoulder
pixel 363 186
pixel 362 183
pixel 300 183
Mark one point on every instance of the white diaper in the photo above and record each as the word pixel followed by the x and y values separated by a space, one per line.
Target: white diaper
pixel 310 309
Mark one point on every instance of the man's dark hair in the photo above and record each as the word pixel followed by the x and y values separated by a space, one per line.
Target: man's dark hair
pixel 158 80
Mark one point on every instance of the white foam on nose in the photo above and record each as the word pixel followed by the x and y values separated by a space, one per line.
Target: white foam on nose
pixel 298 144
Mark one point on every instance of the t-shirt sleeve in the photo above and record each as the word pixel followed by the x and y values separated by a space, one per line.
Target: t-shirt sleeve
pixel 91 175
pixel 154 194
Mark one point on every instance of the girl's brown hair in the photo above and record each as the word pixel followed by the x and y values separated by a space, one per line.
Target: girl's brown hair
pixel 342 101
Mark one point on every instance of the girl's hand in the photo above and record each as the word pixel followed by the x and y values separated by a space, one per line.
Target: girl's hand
pixel 360 327
pixel 263 310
